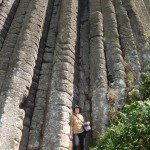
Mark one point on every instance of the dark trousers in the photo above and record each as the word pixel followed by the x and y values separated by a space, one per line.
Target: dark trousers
pixel 79 140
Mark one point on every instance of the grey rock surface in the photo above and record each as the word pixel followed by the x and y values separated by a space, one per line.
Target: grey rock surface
pixel 58 53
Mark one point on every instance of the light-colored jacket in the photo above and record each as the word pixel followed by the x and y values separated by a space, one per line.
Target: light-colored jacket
pixel 76 122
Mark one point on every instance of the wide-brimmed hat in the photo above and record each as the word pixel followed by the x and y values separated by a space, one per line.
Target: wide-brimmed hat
pixel 76 106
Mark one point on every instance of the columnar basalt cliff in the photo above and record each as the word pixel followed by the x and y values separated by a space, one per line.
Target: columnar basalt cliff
pixel 58 53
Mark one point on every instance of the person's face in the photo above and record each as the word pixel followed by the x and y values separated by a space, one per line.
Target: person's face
pixel 77 110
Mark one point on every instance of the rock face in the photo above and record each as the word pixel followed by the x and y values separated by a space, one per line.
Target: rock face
pixel 58 53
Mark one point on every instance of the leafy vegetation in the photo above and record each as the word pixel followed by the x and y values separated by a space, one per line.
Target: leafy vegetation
pixel 142 91
pixel 131 127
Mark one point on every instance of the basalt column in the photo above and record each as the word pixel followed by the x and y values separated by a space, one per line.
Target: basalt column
pixel 127 42
pixel 42 95
pixel 19 72
pixel 58 53
pixel 98 73
pixel 143 9
pixel 14 24
pixel 56 128
pixel 7 12
pixel 34 104
pixel 113 51
pixel 138 33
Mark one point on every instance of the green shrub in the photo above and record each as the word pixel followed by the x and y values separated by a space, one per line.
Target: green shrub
pixel 131 127
pixel 142 91
pixel 130 131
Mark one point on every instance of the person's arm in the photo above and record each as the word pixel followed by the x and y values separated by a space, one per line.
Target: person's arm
pixel 71 124
pixel 71 134
pixel 86 121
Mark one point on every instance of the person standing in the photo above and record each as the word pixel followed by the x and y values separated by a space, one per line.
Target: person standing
pixel 77 133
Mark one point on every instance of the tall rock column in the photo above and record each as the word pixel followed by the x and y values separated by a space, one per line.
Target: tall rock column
pixel 115 68
pixel 12 38
pixel 7 12
pixel 143 10
pixel 38 116
pixel 138 33
pixel 34 105
pixel 98 73
pixel 127 40
pixel 19 76
pixel 56 130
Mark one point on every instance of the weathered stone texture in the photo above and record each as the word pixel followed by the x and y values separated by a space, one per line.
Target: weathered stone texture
pixel 98 75
pixel 11 39
pixel 143 9
pixel 60 91
pixel 58 53
pixel 19 76
pixel 7 11
pixel 115 68
pixel 138 32
pixel 127 40
pixel 36 100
